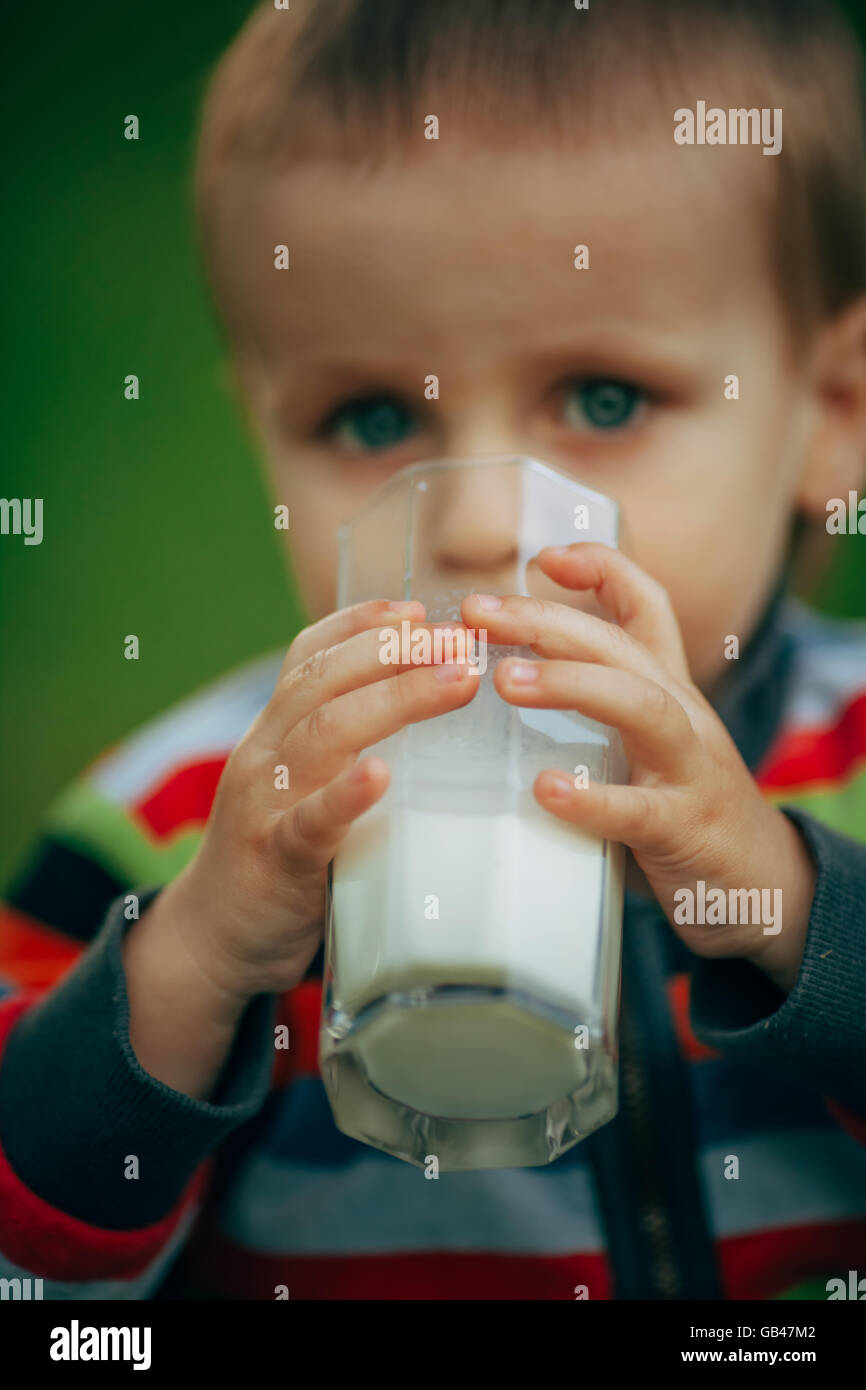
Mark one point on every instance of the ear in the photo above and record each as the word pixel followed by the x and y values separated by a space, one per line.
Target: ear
pixel 835 461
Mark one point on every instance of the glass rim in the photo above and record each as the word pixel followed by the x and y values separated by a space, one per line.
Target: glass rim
pixel 405 477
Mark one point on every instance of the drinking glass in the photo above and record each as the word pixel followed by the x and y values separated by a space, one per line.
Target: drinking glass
pixel 472 945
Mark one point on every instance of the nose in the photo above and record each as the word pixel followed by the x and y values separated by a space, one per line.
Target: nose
pixel 470 526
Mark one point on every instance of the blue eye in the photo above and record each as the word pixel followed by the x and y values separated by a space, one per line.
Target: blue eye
pixel 378 423
pixel 604 405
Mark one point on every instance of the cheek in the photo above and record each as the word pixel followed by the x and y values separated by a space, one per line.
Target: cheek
pixel 718 564
pixel 314 566
pixel 321 498
pixel 311 541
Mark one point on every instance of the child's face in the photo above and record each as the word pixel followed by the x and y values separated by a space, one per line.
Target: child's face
pixel 460 264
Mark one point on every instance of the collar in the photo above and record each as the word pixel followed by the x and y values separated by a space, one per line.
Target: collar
pixel 751 696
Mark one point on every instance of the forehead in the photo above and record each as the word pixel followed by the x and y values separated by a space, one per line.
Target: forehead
pixel 459 245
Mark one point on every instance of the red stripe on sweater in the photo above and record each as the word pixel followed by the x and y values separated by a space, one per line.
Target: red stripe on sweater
pixel 679 993
pixel 33 955
pixel 218 1266
pixel 800 757
pixel 182 798
pixel 818 754
pixel 303 1013
pixel 766 1263
pixel 760 1265
pixel 51 1244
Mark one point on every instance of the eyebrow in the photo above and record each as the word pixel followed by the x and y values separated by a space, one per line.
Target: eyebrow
pixel 621 350
pixel 312 384
pixel 307 390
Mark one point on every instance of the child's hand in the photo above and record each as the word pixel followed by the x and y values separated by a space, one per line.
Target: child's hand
pixel 249 908
pixel 692 810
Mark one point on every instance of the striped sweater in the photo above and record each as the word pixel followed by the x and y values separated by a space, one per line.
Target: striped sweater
pixel 736 1167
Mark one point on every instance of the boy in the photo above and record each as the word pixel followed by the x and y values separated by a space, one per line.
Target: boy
pixel 193 912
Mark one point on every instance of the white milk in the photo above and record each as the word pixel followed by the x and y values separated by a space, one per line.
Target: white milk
pixel 427 897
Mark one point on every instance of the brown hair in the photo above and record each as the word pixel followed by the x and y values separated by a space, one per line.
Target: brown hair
pixel 352 81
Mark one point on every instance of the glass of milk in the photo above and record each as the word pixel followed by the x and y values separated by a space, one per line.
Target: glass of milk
pixel 472 947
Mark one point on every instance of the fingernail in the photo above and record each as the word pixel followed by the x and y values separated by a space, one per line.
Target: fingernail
pixel 451 671
pixel 489 601
pixel 522 672
pixel 560 785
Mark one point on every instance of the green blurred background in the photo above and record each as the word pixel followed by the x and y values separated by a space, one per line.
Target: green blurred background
pixel 156 522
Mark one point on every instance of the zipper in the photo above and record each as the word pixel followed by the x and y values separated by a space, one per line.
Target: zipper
pixel 644 1162
pixel 664 1273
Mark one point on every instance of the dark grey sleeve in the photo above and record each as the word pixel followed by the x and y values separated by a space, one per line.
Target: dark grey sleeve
pixel 817 1034
pixel 74 1100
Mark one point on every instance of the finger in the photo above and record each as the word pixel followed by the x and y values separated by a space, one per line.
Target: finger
pixel 345 623
pixel 319 745
pixel 309 834
pixel 632 816
pixel 635 601
pixel 557 632
pixel 656 730
pixel 358 661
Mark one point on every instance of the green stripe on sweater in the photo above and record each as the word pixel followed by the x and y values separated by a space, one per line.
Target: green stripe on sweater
pixel 88 822
pixel 841 808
